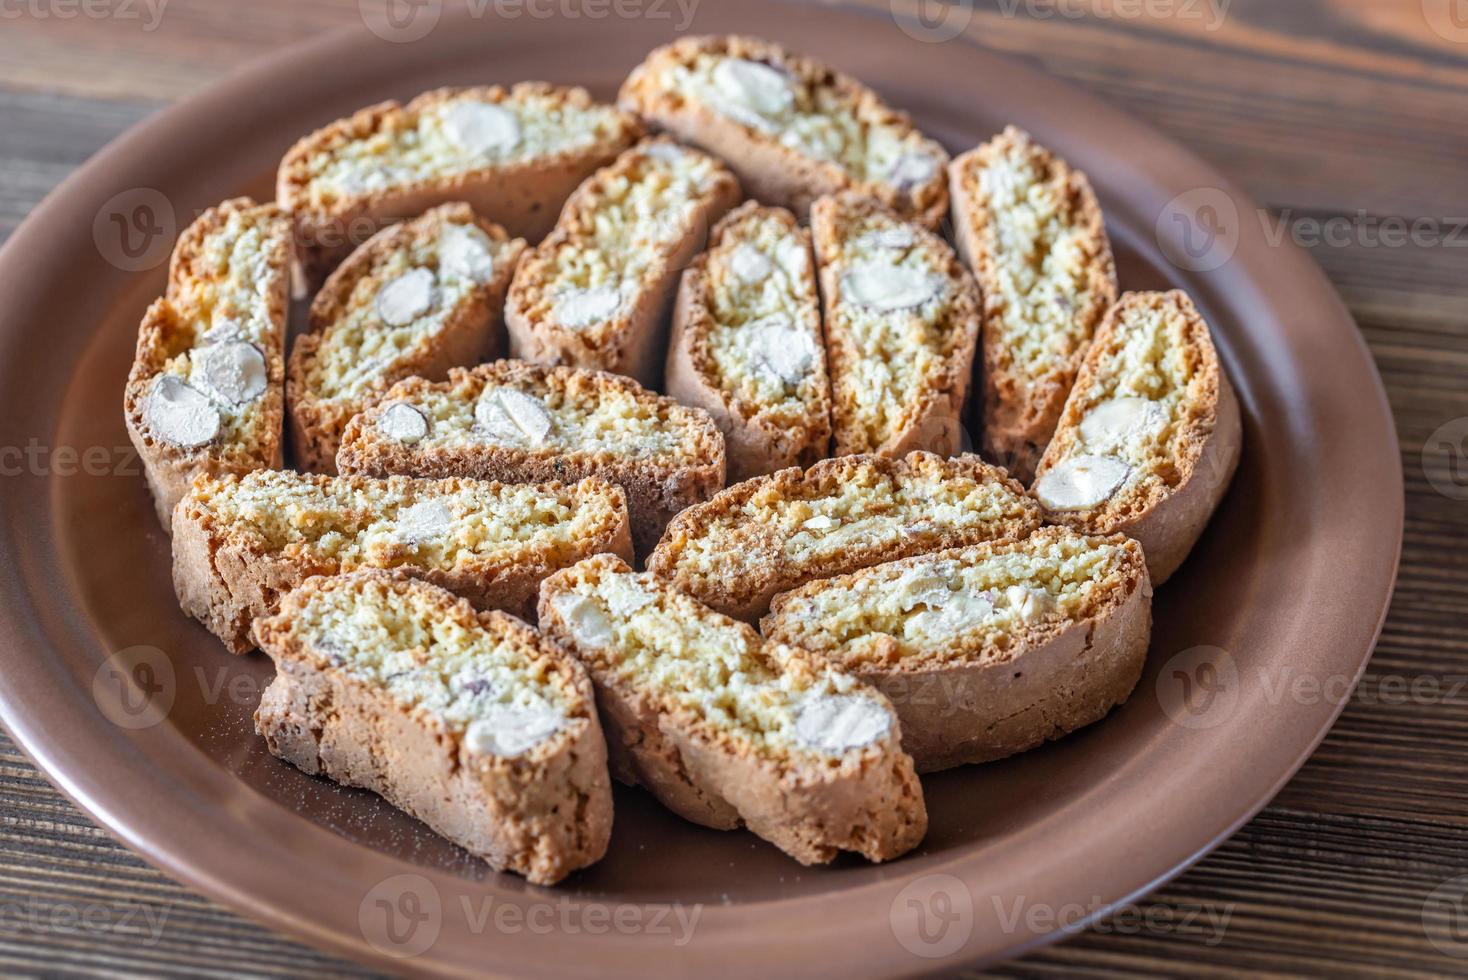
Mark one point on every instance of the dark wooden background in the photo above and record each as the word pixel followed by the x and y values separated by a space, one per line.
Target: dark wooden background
pixel 1324 109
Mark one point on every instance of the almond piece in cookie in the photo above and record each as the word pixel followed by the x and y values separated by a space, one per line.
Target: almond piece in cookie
pixel 240 542
pixel 1151 434
pixel 470 721
pixel 417 299
pixel 514 155
pixel 205 391
pixel 988 650
pixel 902 321
pixel 1032 231
pixel 524 423
pixel 747 344
pixel 598 291
pixel 725 728
pixel 790 127
pixel 778 532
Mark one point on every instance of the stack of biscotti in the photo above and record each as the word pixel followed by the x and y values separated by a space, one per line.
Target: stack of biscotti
pixel 471 721
pixel 205 392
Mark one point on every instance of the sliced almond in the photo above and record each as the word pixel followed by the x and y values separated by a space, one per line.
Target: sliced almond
pixel 513 416
pixel 580 308
pixel 886 288
pixel 402 422
pixel 1081 482
pixel 913 170
pixel 180 414
pixel 481 128
pixel 1120 420
pixel 509 730
pixel 749 264
pixel 585 618
pixel 424 521
pixel 1028 604
pixel 406 298
pixel 234 371
pixel 463 252
pixel 780 349
pixel 754 86
pixel 837 723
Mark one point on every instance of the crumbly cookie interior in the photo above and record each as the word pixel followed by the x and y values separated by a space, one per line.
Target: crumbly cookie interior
pixel 1041 248
pixel 895 303
pixel 761 300
pixel 361 522
pixel 470 130
pixel 753 694
pixel 427 652
pixel 970 603
pixel 362 346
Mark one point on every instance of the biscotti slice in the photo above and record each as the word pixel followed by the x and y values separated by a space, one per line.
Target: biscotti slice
pixel 988 650
pixel 513 154
pixel 777 532
pixel 902 321
pixel 417 299
pixel 240 542
pixel 470 721
pixel 790 127
pixel 205 391
pixel 747 344
pixel 1150 436
pixel 525 423
pixel 1031 229
pixel 598 291
pixel 725 728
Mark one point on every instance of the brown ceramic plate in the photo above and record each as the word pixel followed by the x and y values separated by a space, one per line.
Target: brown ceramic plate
pixel 1291 581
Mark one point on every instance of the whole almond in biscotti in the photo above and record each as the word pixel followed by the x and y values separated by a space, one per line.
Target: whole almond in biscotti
pixel 417 299
pixel 239 543
pixel 988 650
pixel 1032 231
pixel 902 320
pixel 725 728
pixel 470 721
pixel 747 344
pixel 1150 436
pixel 598 292
pixel 525 423
pixel 205 391
pixel 513 154
pixel 790 127
pixel 777 532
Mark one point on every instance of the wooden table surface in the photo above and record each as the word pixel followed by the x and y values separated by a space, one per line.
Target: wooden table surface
pixel 1347 118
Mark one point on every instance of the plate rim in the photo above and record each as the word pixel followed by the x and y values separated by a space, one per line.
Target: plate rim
pixel 37 738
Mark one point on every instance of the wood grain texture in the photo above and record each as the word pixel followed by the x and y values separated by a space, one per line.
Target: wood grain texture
pixel 1325 110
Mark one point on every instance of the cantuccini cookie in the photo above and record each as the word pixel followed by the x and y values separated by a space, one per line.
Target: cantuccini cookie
pixel 240 542
pixel 726 728
pixel 790 127
pixel 1150 436
pixel 902 320
pixel 470 721
pixel 1032 231
pixel 521 422
pixel 988 650
pixel 205 391
pixel 777 532
pixel 598 291
pixel 513 154
pixel 416 299
pixel 747 345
